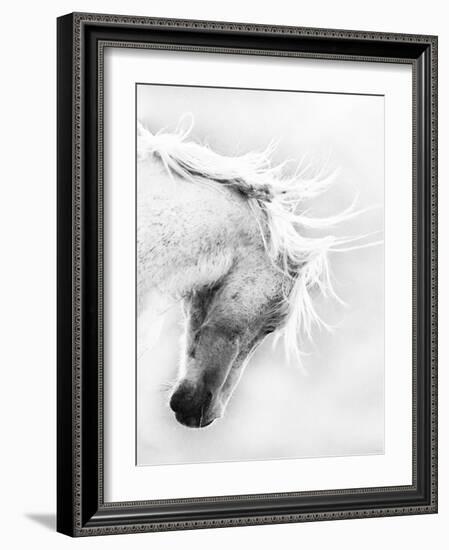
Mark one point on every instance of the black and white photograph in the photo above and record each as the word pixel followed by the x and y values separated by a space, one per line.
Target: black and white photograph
pixel 259 274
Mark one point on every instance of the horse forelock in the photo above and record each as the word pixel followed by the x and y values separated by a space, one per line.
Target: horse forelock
pixel 276 197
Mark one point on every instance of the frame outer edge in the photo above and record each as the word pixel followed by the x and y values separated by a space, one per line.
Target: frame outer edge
pixel 69 521
pixel 65 271
pixel 77 263
pixel 233 26
pixel 434 271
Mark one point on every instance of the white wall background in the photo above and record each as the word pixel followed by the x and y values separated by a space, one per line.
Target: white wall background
pixel 27 218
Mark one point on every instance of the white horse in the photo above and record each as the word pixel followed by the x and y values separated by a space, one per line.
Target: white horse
pixel 229 237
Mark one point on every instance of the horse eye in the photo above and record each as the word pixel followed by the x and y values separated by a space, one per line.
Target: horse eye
pixel 268 330
pixel 212 289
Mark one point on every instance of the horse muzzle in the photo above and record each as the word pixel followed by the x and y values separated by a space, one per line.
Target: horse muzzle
pixel 192 406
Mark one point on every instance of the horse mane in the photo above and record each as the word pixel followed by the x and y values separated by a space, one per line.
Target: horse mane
pixel 277 201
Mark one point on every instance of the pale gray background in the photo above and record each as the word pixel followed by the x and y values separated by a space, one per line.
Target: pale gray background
pixel 336 409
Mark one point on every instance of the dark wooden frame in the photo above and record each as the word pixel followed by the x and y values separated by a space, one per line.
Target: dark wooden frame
pixel 81 509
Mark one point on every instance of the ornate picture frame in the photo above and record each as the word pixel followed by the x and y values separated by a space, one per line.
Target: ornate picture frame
pixel 81 506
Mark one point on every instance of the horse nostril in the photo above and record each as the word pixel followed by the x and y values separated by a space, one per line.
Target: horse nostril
pixel 176 401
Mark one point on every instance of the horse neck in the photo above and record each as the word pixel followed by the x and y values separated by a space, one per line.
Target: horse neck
pixel 188 233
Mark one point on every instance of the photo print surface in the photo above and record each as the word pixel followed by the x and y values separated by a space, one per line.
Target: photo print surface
pixel 259 274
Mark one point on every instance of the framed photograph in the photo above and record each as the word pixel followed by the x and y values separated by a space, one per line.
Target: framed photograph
pixel 247 279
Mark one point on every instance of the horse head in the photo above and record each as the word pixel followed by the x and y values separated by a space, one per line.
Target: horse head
pixel 224 324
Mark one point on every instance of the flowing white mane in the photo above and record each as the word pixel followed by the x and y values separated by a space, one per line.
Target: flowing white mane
pixel 277 201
